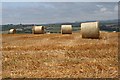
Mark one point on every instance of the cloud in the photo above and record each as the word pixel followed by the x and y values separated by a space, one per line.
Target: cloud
pixel 103 9
pixel 116 8
pixel 107 8
pixel 99 5
pixel 59 0
pixel 51 12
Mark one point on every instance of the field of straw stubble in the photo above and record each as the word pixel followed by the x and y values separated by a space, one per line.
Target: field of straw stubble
pixel 59 56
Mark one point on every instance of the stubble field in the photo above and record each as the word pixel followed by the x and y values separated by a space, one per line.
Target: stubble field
pixel 59 56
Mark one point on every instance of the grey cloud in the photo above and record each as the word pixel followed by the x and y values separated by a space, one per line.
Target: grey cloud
pixel 50 12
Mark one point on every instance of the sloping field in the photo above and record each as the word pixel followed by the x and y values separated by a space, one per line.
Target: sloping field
pixel 59 56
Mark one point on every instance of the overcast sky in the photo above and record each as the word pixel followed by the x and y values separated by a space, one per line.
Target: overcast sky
pixel 59 0
pixel 54 12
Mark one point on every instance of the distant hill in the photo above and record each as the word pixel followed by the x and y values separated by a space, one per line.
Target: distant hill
pixel 106 25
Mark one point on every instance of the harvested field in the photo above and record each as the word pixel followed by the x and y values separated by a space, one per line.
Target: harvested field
pixel 59 56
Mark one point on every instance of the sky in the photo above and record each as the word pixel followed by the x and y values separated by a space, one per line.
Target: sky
pixel 59 0
pixel 57 12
